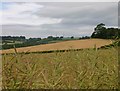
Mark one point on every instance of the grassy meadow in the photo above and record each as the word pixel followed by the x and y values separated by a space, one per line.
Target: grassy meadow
pixel 84 69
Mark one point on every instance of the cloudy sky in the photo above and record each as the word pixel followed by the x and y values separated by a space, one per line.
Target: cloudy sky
pixel 56 19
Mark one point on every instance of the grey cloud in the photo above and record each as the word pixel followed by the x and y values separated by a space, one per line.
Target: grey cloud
pixel 77 19
pixel 82 13
pixel 38 31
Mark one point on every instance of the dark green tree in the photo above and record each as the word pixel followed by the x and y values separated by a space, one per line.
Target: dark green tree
pixel 72 37
pixel 100 31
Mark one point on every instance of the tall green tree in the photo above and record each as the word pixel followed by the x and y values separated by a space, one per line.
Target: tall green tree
pixel 100 31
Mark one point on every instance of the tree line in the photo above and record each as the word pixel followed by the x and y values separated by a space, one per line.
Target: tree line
pixel 100 31
pixel 17 38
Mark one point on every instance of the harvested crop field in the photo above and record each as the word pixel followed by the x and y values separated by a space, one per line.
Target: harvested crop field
pixel 74 44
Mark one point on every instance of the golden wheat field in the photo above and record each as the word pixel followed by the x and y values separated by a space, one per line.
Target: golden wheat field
pixel 85 69
pixel 73 44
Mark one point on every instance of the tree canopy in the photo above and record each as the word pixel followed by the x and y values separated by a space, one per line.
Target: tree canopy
pixel 100 31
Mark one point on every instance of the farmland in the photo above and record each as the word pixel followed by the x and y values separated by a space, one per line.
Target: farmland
pixel 85 69
pixel 60 46
pixel 73 44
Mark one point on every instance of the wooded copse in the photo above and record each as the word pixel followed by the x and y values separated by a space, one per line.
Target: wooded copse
pixel 100 31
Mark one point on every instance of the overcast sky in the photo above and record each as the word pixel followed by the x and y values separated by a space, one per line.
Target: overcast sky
pixel 56 19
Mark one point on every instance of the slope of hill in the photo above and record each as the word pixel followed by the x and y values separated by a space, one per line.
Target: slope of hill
pixel 74 44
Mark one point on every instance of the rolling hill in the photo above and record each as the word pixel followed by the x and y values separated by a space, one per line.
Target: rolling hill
pixel 73 44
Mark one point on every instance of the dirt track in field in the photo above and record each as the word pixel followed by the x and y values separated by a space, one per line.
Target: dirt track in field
pixel 73 44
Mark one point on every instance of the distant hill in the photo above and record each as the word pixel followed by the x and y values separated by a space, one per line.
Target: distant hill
pixel 8 42
pixel 73 44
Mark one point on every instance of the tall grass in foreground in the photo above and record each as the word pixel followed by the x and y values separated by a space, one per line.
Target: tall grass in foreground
pixel 85 69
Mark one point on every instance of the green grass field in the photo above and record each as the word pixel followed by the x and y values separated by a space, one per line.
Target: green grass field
pixel 85 69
